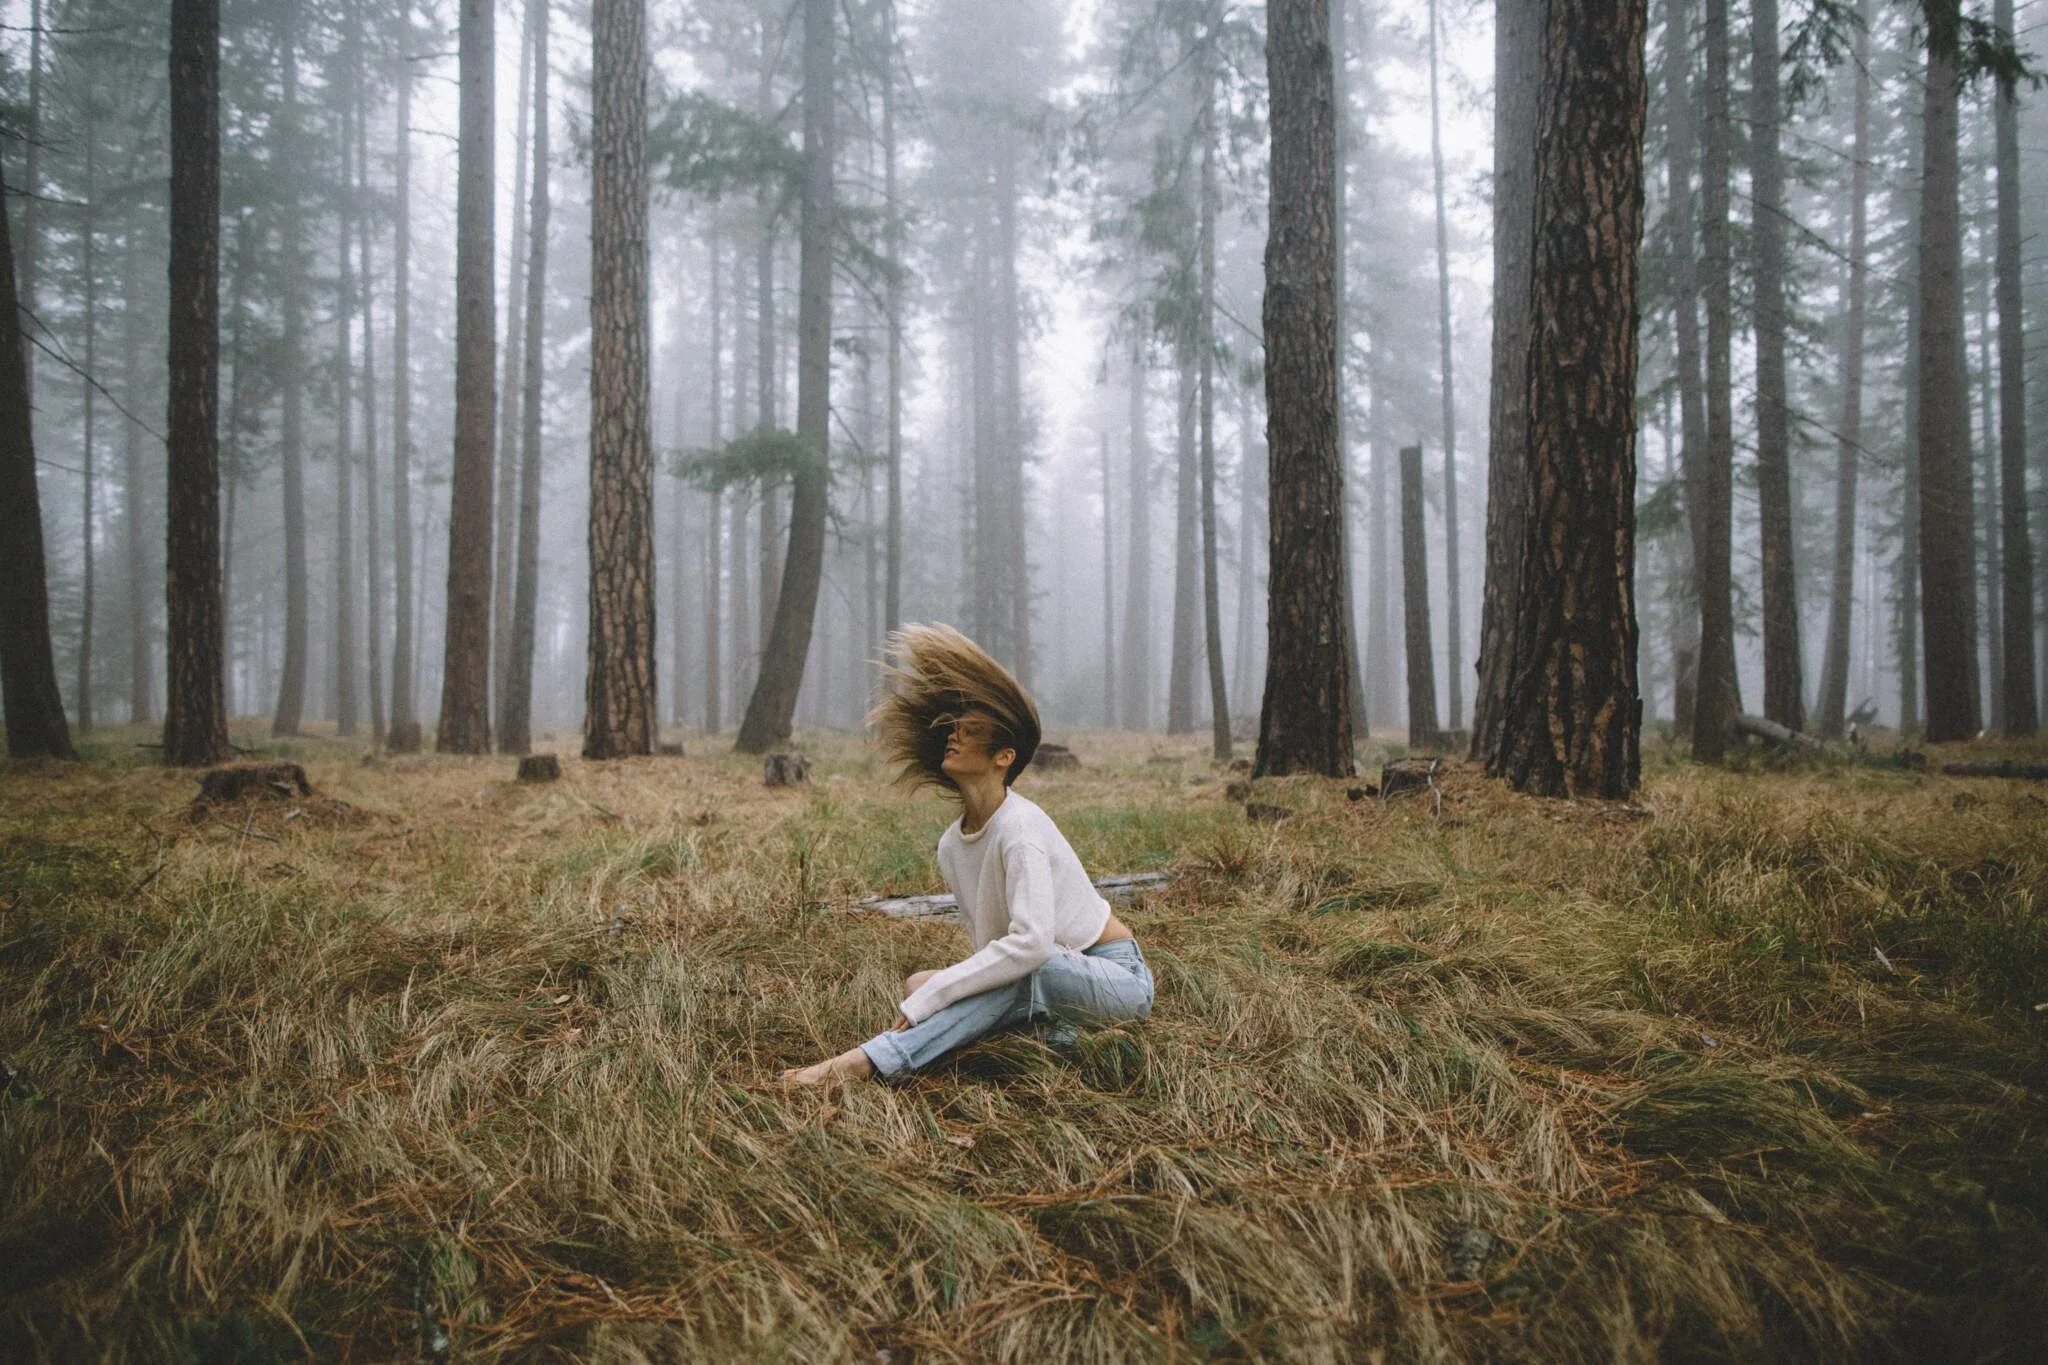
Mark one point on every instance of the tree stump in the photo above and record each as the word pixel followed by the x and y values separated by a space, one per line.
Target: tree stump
pixel 785 770
pixel 236 782
pixel 539 768
pixel 1054 757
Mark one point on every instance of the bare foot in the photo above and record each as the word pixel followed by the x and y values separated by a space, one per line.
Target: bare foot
pixel 851 1065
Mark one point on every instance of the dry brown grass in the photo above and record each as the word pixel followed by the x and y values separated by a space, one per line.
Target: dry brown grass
pixel 1751 1071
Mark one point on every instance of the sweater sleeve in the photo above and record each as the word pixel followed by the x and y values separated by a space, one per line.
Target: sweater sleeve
pixel 1027 895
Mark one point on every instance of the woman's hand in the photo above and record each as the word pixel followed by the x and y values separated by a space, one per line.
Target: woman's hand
pixel 900 1024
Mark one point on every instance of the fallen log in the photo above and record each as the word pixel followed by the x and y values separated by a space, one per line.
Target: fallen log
pixel 2026 772
pixel 1775 733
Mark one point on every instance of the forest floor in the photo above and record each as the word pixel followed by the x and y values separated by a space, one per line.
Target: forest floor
pixel 1755 1067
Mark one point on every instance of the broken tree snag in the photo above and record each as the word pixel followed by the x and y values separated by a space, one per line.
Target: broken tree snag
pixel 1774 732
pixel 2026 772
pixel 785 770
pixel 1053 757
pixel 539 768
pixel 219 786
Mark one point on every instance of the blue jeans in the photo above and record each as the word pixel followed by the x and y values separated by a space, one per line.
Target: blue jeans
pixel 1108 982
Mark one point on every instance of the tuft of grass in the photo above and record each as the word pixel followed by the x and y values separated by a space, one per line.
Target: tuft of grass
pixel 1753 1071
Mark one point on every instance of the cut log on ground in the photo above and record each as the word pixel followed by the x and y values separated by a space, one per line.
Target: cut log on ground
pixel 1776 733
pixel 539 768
pixel 2026 772
pixel 272 781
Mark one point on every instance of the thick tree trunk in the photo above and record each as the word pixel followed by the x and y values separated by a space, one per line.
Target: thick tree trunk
pixel 1572 717
pixel 1137 661
pixel 195 716
pixel 1718 699
pixel 1682 145
pixel 291 682
pixel 404 734
pixel 2017 684
pixel 1423 731
pixel 516 728
pixel 28 665
pixel 1784 687
pixel 773 704
pixel 619 683
pixel 1947 537
pixel 1454 663
pixel 505 572
pixel 465 724
pixel 1517 68
pixel 1305 717
pixel 1834 670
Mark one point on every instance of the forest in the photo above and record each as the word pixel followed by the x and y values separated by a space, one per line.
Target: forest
pixel 1518 519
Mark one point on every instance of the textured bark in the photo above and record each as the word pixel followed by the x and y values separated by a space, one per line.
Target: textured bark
pixel 465 724
pixel 286 155
pixel 1305 717
pixel 195 717
pixel 1422 726
pixel 2017 682
pixel 1517 68
pixel 1830 706
pixel 1784 688
pixel 28 666
pixel 1137 669
pixel 1205 349
pixel 1717 700
pixel 516 727
pixel 1682 149
pixel 771 708
pixel 504 572
pixel 1454 619
pixel 1948 603
pixel 1572 717
pixel 619 686
pixel 404 711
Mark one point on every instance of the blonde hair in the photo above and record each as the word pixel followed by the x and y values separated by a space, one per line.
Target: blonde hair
pixel 935 675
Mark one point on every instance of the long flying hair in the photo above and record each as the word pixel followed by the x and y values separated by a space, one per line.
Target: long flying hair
pixel 932 677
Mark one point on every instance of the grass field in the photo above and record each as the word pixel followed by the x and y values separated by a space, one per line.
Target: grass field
pixel 434 1061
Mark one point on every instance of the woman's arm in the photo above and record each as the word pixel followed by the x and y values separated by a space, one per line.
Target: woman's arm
pixel 1027 893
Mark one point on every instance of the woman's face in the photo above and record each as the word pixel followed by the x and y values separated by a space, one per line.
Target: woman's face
pixel 967 749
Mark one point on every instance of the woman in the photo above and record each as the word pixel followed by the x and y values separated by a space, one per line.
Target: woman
pixel 1046 944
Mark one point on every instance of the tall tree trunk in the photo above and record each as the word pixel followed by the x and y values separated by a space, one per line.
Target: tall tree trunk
pixel 1717 699
pixel 195 717
pixel 28 665
pixel 773 704
pixel 517 726
pixel 505 569
pixel 713 513
pixel 745 652
pixel 1251 477
pixel 1517 69
pixel 141 670
pixel 1423 731
pixel 1108 594
pixel 892 238
pixel 2022 715
pixel 1947 537
pixel 1784 687
pixel 679 651
pixel 1017 565
pixel 1454 662
pixel 465 724
pixel 32 191
pixel 404 734
pixel 1305 717
pixel 1910 713
pixel 1571 723
pixel 1205 349
pixel 620 688
pixel 1137 669
pixel 1986 449
pixel 88 229
pixel 374 548
pixel 231 455
pixel 1834 670
pixel 286 157
pixel 342 655
pixel 1685 287
pixel 1180 676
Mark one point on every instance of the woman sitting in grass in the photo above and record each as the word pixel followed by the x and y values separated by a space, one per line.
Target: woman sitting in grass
pixel 1047 946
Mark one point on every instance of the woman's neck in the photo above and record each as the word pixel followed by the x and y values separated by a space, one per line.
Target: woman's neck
pixel 980 799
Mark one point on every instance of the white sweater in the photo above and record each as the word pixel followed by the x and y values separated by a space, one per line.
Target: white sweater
pixel 1023 895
